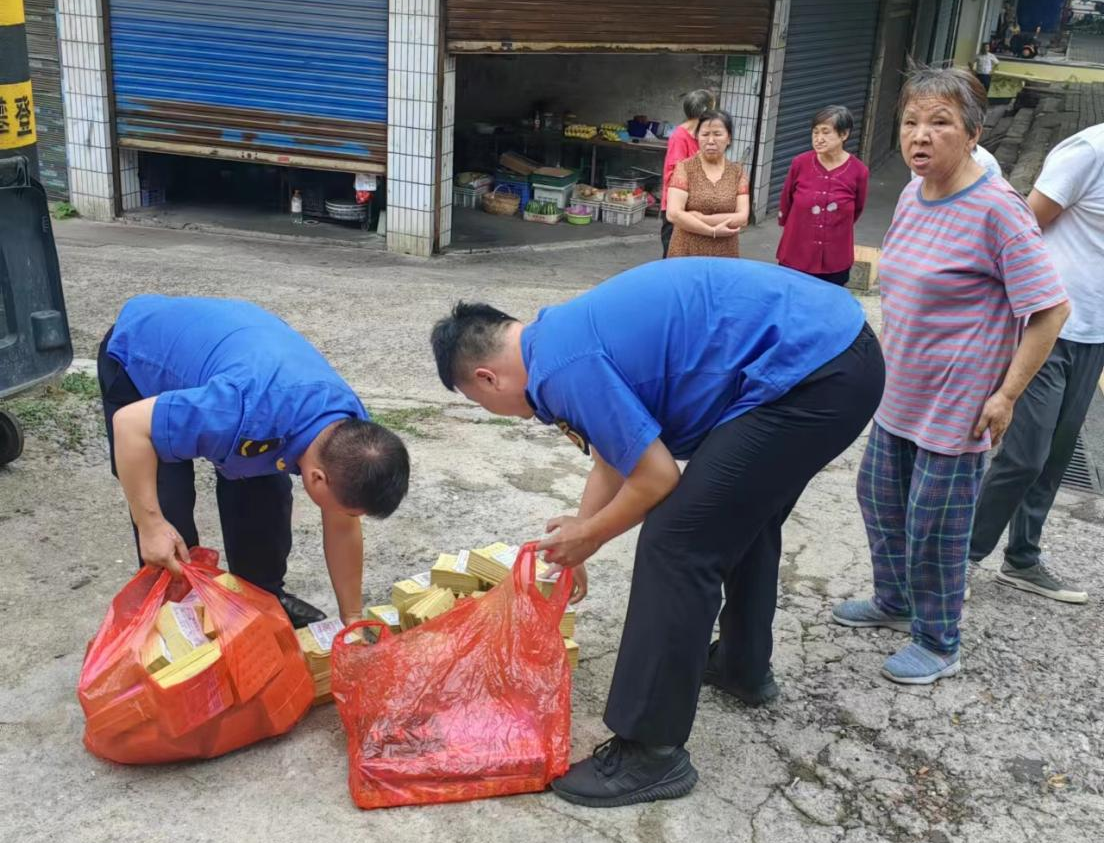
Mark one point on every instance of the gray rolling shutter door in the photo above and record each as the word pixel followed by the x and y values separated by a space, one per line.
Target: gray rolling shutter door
pixel 829 52
pixel 42 51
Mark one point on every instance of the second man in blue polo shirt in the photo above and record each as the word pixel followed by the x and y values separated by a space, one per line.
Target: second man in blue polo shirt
pixel 758 376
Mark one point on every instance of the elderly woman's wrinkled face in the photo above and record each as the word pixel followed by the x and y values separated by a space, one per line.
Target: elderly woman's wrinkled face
pixel 826 140
pixel 713 138
pixel 934 140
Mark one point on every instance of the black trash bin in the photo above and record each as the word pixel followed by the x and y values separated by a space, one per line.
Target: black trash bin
pixel 34 331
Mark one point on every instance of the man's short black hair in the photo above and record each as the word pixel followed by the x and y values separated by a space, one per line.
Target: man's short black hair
pixel 472 332
pixel 367 466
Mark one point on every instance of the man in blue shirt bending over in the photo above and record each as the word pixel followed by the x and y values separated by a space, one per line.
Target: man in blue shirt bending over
pixel 184 378
pixel 756 374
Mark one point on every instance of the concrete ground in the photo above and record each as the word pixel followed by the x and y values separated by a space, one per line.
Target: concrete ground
pixel 1008 751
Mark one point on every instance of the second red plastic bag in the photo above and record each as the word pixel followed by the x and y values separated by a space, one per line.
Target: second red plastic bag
pixel 474 703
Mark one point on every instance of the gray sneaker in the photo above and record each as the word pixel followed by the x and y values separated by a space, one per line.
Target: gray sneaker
pixel 863 613
pixel 1038 580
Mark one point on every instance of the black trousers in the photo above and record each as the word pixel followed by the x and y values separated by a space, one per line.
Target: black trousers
pixel 1022 481
pixel 986 79
pixel 666 231
pixel 722 525
pixel 255 512
pixel 840 278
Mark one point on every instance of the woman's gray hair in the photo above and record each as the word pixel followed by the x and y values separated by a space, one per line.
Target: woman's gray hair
pixel 837 116
pixel 696 103
pixel 954 84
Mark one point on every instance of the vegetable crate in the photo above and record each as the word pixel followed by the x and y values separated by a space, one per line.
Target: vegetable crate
pixel 558 195
pixel 620 215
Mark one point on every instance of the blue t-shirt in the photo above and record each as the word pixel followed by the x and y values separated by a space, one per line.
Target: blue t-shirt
pixel 234 383
pixel 672 349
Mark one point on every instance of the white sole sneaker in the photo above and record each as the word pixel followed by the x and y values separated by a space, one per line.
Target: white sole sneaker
pixel 1061 595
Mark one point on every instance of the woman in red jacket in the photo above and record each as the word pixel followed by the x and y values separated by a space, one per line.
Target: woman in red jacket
pixel 821 200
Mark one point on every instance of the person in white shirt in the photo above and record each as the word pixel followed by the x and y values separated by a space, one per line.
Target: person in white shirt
pixel 983 65
pixel 1020 486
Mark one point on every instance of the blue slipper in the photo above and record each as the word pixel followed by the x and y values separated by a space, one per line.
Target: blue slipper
pixel 863 613
pixel 916 665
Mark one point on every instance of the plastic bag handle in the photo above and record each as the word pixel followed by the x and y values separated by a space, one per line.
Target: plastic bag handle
pixel 193 569
pixel 525 572
pixel 384 631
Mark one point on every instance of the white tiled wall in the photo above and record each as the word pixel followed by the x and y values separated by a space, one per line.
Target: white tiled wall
pixel 740 98
pixel 413 130
pixel 772 92
pixel 85 89
pixel 448 126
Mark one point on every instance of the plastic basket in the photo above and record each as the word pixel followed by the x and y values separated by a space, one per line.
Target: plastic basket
pixel 630 182
pixel 619 215
pixel 466 198
pixel 559 195
pixel 630 205
pixel 595 198
pixel 554 181
pixel 473 181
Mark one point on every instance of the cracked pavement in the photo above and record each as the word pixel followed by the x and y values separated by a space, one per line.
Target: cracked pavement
pixel 1010 750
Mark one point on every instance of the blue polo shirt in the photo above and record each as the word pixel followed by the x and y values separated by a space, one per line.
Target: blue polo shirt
pixel 234 383
pixel 672 349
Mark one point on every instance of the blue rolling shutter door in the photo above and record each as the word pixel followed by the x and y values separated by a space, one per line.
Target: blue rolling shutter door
pixel 293 82
pixel 829 53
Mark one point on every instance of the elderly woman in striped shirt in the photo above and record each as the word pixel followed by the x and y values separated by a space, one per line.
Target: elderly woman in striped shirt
pixel 972 306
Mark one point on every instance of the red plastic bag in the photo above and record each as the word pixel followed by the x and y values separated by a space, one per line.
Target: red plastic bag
pixel 257 687
pixel 474 703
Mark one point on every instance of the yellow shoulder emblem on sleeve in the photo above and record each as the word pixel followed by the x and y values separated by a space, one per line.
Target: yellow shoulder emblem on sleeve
pixel 577 438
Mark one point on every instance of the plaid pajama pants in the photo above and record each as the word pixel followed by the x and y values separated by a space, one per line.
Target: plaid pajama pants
pixel 918 507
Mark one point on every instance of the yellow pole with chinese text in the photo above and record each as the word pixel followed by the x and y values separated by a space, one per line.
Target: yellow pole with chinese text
pixel 17 115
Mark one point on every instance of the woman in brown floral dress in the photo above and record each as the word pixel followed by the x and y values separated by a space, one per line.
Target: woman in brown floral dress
pixel 708 199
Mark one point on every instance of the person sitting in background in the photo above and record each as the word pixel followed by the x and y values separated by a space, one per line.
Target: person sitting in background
pixel 708 200
pixel 822 199
pixel 983 66
pixel 1026 46
pixel 972 305
pixel 682 144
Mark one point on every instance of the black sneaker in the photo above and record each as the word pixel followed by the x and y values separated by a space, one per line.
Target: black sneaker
pixel 761 694
pixel 299 611
pixel 623 772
